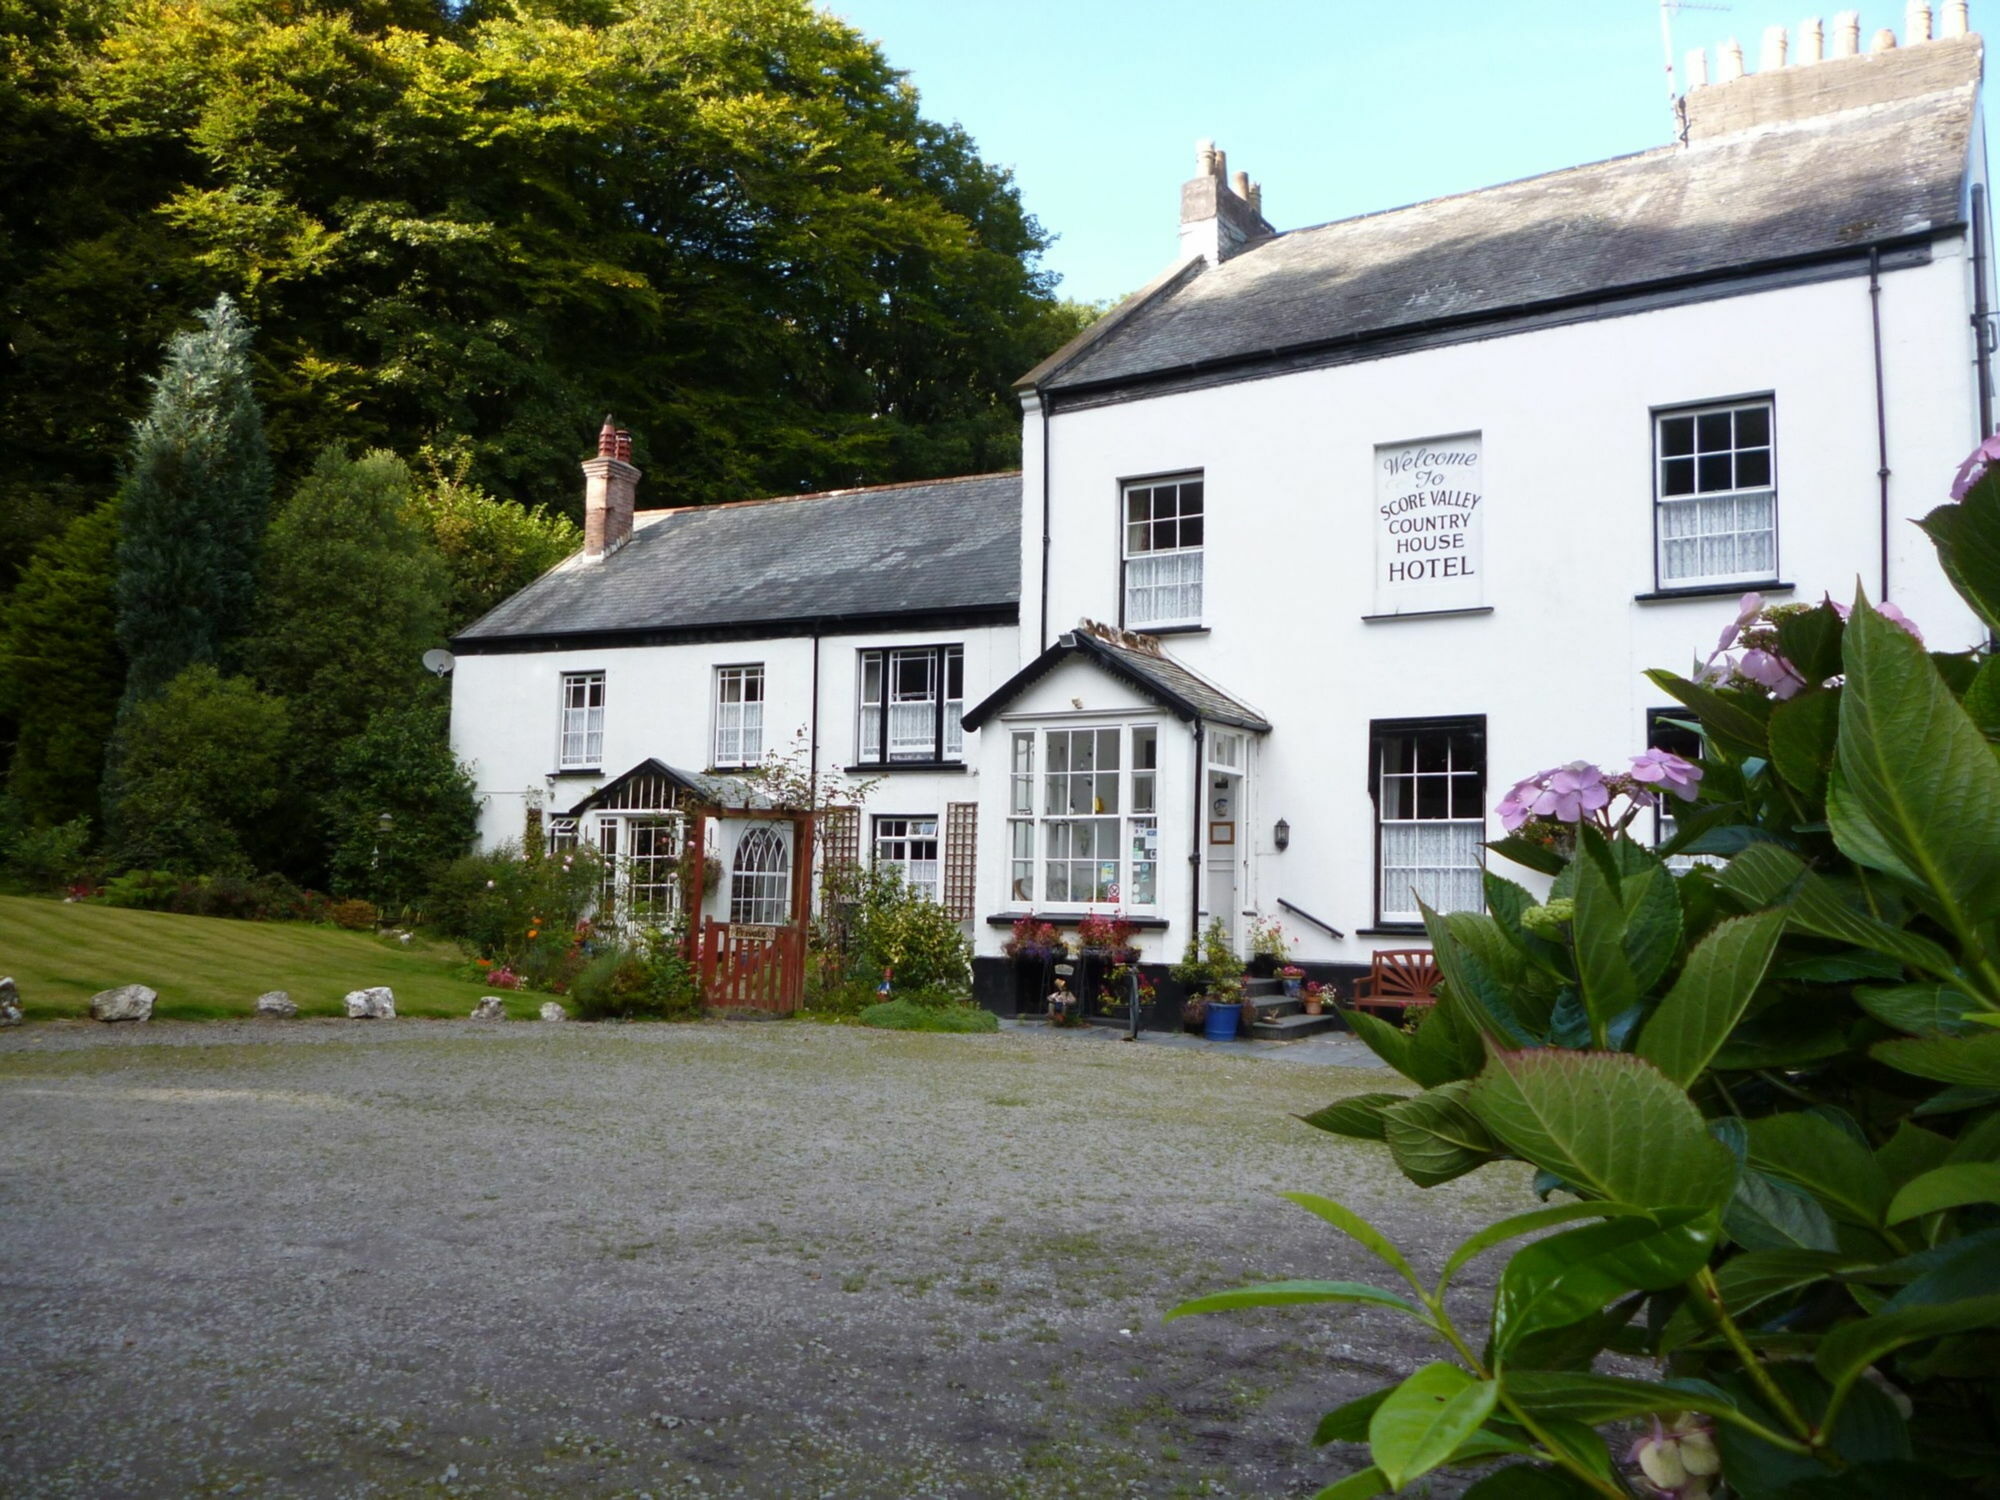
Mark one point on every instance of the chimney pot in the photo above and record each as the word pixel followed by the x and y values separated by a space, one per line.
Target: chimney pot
pixel 1812 40
pixel 1776 45
pixel 1917 21
pixel 1257 197
pixel 1847 33
pixel 1239 183
pixel 1204 158
pixel 610 489
pixel 1697 68
pixel 1885 41
pixel 1957 20
pixel 1729 60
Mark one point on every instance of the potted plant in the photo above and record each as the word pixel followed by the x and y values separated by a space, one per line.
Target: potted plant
pixel 1035 940
pixel 1268 946
pixel 1225 1009
pixel 1114 995
pixel 1315 997
pixel 1293 976
pixel 1109 937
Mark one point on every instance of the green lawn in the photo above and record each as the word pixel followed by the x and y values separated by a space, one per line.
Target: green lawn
pixel 209 967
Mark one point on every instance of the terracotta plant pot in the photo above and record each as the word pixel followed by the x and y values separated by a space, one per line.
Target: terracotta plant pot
pixel 1313 1006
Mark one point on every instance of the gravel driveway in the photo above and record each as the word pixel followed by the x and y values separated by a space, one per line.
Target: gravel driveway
pixel 410 1258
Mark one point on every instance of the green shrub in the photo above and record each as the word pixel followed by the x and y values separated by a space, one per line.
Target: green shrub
pixel 908 1015
pixel 873 922
pixel 144 890
pixel 649 982
pixel 49 859
pixel 524 913
pixel 355 916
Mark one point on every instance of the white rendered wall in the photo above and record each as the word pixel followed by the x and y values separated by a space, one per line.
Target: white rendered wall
pixel 1567 437
pixel 659 702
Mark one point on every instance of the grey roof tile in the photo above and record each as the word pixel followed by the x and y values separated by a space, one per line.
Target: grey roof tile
pixel 932 547
pixel 1774 192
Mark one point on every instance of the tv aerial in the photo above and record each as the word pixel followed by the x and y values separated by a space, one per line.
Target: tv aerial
pixel 1668 10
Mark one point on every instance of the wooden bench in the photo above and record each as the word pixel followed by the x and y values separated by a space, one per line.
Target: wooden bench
pixel 1398 979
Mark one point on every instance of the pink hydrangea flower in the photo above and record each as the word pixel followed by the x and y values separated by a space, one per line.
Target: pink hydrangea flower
pixel 1974 468
pixel 1888 609
pixel 1747 609
pixel 1667 772
pixel 1565 793
pixel 1770 670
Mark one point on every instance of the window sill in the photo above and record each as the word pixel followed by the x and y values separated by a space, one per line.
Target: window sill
pixel 1168 629
pixel 1392 929
pixel 1428 614
pixel 1070 919
pixel 877 767
pixel 561 771
pixel 1714 591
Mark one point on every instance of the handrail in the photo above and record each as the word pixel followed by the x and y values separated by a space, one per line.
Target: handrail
pixel 1327 927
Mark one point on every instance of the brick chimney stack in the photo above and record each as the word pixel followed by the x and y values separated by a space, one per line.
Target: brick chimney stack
pixel 610 487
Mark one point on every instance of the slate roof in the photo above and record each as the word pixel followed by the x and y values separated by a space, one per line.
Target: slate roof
pixel 1885 158
pixel 936 547
pixel 1169 683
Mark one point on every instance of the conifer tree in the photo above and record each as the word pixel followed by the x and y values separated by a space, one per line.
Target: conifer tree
pixel 197 486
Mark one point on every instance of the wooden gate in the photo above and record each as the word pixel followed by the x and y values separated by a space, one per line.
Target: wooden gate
pixel 749 967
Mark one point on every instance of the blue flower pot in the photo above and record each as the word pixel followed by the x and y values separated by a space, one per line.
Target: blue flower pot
pixel 1221 1023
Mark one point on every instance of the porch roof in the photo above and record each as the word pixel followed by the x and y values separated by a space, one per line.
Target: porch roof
pixel 1138 662
pixel 699 787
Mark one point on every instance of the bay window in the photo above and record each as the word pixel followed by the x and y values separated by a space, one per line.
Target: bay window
pixel 1428 779
pixel 1083 817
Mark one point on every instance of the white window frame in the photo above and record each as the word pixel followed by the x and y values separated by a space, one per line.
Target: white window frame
pixel 1422 842
pixel 760 878
pixel 1700 462
pixel 580 722
pixel 1042 836
pixel 739 720
pixel 898 844
pixel 1149 571
pixel 919 728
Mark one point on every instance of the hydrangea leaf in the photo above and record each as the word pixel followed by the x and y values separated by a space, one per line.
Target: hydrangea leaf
pixel 1423 1421
pixel 1710 996
pixel 1435 1138
pixel 1610 1123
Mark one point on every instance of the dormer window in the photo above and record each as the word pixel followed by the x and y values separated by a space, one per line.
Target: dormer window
pixel 1163 549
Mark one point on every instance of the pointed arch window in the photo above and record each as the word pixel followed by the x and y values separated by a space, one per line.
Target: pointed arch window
pixel 759 883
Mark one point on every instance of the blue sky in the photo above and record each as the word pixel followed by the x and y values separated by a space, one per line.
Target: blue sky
pixel 1338 107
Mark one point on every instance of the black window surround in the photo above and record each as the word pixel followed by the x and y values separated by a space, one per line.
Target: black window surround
pixel 946 668
pixel 1665 589
pixel 1380 732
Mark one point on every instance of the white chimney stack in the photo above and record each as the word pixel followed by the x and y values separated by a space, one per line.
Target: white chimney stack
pixel 1812 40
pixel 1847 34
pixel 610 489
pixel 1776 45
pixel 1916 22
pixel 1216 220
pixel 1957 18
pixel 1729 60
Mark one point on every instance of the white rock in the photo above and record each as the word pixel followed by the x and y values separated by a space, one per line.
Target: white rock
pixel 376 1004
pixel 278 1004
pixel 490 1008
pixel 551 1011
pixel 10 1003
pixel 129 1002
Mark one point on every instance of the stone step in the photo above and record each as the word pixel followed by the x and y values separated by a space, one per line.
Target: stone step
pixel 1257 989
pixel 1289 1028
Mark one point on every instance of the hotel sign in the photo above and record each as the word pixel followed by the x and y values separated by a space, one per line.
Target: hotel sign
pixel 1429 540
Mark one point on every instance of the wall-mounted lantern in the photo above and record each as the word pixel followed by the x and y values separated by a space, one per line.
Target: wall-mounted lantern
pixel 1282 835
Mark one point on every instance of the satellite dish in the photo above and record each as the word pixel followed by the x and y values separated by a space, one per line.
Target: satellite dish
pixel 439 661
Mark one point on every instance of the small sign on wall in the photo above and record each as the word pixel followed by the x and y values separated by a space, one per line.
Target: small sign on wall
pixel 1429 536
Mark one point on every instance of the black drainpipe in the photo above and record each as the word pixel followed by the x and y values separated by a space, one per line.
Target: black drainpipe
pixel 1042 641
pixel 1881 407
pixel 812 726
pixel 1194 839
pixel 1981 311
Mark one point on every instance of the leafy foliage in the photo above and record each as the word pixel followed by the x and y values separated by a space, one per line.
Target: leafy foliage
pixel 651 980
pixel 203 761
pixel 521 911
pixel 1770 1092
pixel 400 766
pixel 909 1015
